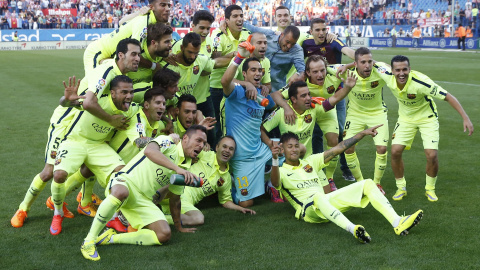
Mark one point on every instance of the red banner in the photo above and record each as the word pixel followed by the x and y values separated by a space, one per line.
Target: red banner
pixel 59 12
pixel 432 22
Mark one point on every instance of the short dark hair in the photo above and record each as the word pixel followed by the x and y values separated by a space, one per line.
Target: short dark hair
pixel 399 58
pixel 165 77
pixel 185 98
pixel 230 9
pixel 287 136
pixel 293 89
pixel 248 60
pixel 292 29
pixel 316 20
pixel 229 137
pixel 202 15
pixel 194 128
pixel 118 79
pixel 281 7
pixel 192 38
pixel 314 58
pixel 153 92
pixel 122 46
pixel 361 51
pixel 156 31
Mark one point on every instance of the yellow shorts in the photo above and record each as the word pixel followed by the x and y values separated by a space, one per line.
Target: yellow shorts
pixel 329 123
pixel 356 123
pixel 100 158
pixel 59 122
pixel 139 210
pixel 343 199
pixel 404 133
pixel 92 56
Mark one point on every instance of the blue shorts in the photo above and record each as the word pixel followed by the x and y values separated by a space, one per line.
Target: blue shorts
pixel 249 175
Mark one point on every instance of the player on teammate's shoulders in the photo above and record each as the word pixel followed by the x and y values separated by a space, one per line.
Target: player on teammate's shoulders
pixel 417 111
pixel 304 184
pixel 213 168
pixel 136 28
pixel 131 190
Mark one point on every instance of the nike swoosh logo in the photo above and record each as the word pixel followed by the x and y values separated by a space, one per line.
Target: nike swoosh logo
pixel 52 230
pixel 209 165
pixel 229 46
pixel 101 240
pixel 289 174
pixel 88 213
pixel 385 140
pixel 95 255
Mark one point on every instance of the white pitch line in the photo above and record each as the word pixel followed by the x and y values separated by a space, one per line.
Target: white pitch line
pixel 477 85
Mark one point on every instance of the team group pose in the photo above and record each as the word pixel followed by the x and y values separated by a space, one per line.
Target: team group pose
pixel 162 121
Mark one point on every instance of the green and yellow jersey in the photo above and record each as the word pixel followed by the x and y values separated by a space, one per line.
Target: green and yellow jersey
pixel 415 103
pixel 215 180
pixel 224 43
pixel 298 183
pixel 366 98
pixel 147 176
pixel 303 127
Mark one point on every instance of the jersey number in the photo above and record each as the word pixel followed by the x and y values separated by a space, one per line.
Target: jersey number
pixel 244 180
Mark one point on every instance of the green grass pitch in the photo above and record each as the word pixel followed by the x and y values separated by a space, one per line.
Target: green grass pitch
pixel 447 237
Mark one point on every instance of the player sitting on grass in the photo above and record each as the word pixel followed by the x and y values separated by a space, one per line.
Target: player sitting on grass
pixel 303 183
pixel 214 170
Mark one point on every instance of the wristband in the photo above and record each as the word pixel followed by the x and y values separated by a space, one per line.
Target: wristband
pixel 275 162
pixel 237 60
pixel 154 66
pixel 327 106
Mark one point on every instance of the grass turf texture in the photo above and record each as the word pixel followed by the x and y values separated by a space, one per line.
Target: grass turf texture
pixel 447 236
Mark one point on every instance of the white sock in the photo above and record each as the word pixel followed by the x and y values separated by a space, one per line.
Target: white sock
pixel 396 222
pixel 58 212
pixel 351 228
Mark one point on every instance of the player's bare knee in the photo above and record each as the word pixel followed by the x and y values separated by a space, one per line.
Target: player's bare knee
pixel 432 156
pixel 163 234
pixel 47 173
pixel 85 171
pixel 194 218
pixel 60 176
pixel 381 149
pixel 118 168
pixel 120 192
pixel 246 203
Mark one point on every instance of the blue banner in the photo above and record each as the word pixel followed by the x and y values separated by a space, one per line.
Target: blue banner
pixel 439 43
pixel 55 34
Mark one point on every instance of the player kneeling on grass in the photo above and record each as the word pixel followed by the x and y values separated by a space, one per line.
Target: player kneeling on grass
pixel 214 170
pixel 131 190
pixel 305 186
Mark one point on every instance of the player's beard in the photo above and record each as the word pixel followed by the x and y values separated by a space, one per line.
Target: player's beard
pixel 188 61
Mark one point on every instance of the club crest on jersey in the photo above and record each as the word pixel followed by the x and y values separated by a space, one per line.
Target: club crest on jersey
pixel 196 69
pixel 263 72
pixel 308 118
pixel 308 168
pixel 58 161
pixel 53 154
pixel 220 182
pixel 374 84
pixel 244 192
pixel 323 50
pixel 209 49
pixel 154 133
pixel 344 133
pixel 393 136
pixel 331 89
pixel 411 96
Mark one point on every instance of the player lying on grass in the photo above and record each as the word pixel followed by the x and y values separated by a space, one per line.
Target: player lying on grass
pixel 304 184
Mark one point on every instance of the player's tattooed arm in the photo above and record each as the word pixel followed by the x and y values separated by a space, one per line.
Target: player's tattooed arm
pixel 142 141
pixel 344 145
